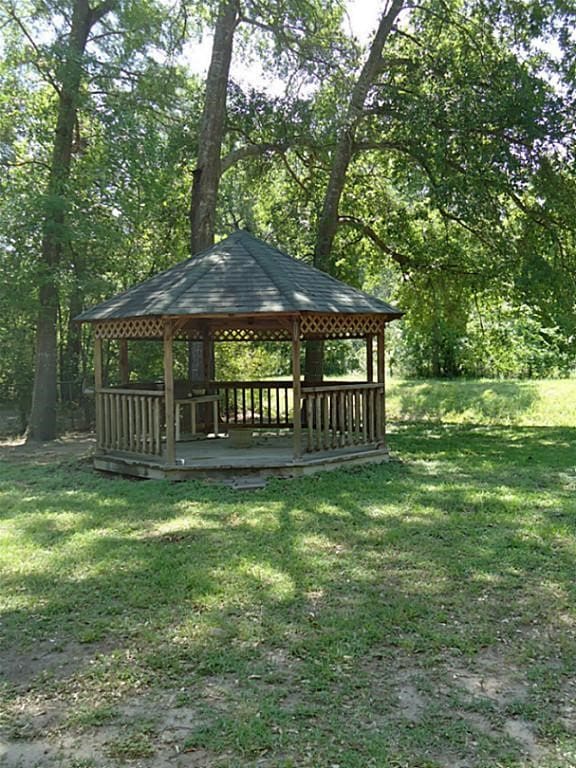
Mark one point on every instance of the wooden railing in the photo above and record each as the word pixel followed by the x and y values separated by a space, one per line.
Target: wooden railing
pixel 130 420
pixel 339 415
pixel 332 415
pixel 255 403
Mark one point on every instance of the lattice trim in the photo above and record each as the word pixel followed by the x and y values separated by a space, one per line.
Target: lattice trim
pixel 251 334
pixel 130 328
pixel 312 326
pixel 339 326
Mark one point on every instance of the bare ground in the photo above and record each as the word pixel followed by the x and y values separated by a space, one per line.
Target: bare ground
pixel 52 720
pixel 74 445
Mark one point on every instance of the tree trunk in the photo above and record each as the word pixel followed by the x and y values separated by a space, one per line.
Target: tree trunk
pixel 208 168
pixel 42 424
pixel 207 174
pixel 328 222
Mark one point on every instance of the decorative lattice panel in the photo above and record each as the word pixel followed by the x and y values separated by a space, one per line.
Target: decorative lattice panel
pixel 130 328
pixel 191 334
pixel 339 326
pixel 251 334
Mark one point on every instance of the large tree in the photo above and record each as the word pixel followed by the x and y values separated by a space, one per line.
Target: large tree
pixel 67 80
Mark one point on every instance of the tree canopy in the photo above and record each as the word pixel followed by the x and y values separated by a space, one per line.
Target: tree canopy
pixel 433 164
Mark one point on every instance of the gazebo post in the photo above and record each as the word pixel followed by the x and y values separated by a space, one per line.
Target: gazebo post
pixel 98 384
pixel 296 389
pixel 123 362
pixel 370 357
pixel 169 393
pixel 380 347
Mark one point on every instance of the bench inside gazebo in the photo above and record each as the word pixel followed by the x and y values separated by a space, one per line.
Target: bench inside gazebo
pixel 241 289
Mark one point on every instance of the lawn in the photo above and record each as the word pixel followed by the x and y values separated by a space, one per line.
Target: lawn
pixel 419 614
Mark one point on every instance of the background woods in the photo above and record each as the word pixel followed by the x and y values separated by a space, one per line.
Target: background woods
pixel 432 162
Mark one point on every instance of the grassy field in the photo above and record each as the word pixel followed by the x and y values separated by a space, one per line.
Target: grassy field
pixel 548 402
pixel 420 614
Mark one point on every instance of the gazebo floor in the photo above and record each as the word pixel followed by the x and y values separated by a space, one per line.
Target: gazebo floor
pixel 217 459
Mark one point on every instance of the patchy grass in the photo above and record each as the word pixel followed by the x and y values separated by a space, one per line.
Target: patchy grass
pixel 420 614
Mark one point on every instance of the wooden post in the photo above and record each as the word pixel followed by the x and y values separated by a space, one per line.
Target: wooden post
pixel 169 393
pixel 380 347
pixel 123 362
pixel 296 389
pixel 207 376
pixel 98 383
pixel 207 352
pixel 370 357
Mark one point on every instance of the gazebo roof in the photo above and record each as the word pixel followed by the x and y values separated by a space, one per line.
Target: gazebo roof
pixel 239 275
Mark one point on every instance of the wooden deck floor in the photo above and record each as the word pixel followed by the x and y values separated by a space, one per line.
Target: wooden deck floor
pixel 217 459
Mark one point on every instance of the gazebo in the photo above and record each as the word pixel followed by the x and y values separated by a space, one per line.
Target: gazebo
pixel 241 289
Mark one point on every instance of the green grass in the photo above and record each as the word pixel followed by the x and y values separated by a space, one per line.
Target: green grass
pixel 414 615
pixel 547 402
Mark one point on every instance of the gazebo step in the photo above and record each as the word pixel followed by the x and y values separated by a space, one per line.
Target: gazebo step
pixel 247 483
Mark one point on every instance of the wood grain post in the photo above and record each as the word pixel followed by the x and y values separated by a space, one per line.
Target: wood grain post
pixel 98 384
pixel 296 389
pixel 370 357
pixel 169 393
pixel 123 363
pixel 380 348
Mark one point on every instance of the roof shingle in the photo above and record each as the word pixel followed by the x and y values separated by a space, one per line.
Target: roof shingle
pixel 239 275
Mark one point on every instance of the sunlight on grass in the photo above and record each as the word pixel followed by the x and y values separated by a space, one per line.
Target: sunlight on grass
pixel 549 402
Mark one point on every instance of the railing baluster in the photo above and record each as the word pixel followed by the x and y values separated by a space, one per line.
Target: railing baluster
pixel 371 416
pixel 378 416
pixel 144 430
pixel 325 421
pixel 149 432
pixel 318 422
pixel 309 424
pixel 342 418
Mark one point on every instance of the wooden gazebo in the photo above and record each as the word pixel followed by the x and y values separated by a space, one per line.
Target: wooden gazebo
pixel 241 289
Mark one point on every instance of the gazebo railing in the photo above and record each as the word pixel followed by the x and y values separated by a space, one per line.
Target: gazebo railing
pixel 335 416
pixel 130 420
pixel 255 403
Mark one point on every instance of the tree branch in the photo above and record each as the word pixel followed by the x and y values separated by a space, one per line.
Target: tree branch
pixel 46 74
pixel 250 150
pixel 403 261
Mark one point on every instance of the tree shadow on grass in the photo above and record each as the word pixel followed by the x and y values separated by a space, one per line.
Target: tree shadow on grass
pixel 466 543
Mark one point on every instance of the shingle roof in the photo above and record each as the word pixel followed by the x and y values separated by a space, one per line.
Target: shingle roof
pixel 239 275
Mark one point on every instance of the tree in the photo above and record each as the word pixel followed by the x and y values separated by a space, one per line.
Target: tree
pixel 341 159
pixel 67 82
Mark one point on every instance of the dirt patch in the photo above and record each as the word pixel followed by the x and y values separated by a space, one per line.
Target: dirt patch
pixel 75 445
pixel 20 668
pixel 521 732
pixel 144 730
pixel 491 677
pixel 411 703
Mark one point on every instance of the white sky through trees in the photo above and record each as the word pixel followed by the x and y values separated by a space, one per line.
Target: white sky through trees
pixel 361 20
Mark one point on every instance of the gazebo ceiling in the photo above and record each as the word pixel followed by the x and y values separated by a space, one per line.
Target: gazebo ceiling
pixel 239 276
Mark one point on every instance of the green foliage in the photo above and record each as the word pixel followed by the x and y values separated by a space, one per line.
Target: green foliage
pixel 458 204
